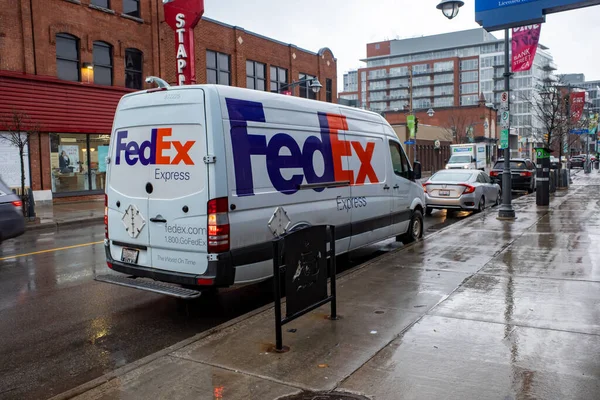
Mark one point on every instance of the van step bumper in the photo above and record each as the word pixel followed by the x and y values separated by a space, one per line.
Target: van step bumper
pixel 150 286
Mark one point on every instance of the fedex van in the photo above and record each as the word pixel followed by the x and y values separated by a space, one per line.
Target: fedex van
pixel 196 173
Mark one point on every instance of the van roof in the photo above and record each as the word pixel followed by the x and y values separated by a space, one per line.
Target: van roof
pixel 255 95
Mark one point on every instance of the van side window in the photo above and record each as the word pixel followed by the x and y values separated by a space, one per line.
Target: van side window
pixel 399 160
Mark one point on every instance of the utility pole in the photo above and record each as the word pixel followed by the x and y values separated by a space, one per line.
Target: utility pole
pixel 506 210
pixel 410 106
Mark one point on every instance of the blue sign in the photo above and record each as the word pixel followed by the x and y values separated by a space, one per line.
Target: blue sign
pixel 409 142
pixel 579 131
pixel 102 154
pixel 493 15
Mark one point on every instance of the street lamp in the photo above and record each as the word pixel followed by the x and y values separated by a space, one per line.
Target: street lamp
pixel 450 10
pixel 450 7
pixel 313 84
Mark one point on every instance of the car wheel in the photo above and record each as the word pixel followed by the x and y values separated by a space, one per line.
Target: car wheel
pixel 481 205
pixel 532 188
pixel 428 210
pixel 415 229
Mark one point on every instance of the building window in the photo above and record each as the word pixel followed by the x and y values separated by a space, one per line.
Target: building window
pixel 256 75
pixel 133 68
pixel 103 63
pixel 466 65
pixel 279 78
pixel 469 100
pixel 328 90
pixel 305 90
pixel 218 68
pixel 132 8
pixel 443 66
pixel 78 162
pixel 101 3
pixel 67 57
pixel 466 88
pixel 471 76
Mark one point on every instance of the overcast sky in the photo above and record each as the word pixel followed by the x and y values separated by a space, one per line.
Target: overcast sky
pixel 346 26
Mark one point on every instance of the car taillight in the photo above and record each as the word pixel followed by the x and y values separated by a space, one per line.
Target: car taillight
pixel 468 189
pixel 526 173
pixel 18 204
pixel 218 225
pixel 494 173
pixel 106 216
pixel 425 187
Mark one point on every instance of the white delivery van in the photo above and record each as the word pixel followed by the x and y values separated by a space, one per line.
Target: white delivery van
pixel 195 173
pixel 467 156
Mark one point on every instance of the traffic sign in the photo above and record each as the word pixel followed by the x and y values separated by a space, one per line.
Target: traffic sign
pixel 504 101
pixel 409 142
pixel 505 119
pixel 504 139
pixel 579 131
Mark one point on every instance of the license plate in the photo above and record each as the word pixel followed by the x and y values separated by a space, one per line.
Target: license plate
pixel 130 256
pixel 444 193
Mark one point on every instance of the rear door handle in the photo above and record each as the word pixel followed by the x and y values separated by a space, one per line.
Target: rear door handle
pixel 386 187
pixel 160 220
pixel 397 187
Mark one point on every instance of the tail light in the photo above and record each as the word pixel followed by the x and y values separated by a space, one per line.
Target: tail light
pixel 106 216
pixel 468 189
pixel 526 174
pixel 494 173
pixel 218 225
pixel 425 187
pixel 18 204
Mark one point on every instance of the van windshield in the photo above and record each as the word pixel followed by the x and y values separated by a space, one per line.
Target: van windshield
pixel 459 159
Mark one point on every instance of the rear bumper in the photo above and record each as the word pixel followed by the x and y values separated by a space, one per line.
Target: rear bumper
pixel 464 202
pixel 221 272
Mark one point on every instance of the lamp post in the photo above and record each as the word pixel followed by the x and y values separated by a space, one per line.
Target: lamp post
pixel 313 84
pixel 450 10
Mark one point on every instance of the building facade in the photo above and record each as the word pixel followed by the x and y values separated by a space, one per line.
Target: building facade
pixel 448 70
pixel 66 63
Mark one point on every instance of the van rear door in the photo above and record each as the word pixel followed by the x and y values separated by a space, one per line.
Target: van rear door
pixel 159 168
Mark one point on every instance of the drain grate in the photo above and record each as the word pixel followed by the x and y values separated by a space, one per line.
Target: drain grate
pixel 324 396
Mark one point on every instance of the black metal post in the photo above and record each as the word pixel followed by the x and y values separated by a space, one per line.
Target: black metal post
pixel 333 273
pixel 506 210
pixel 277 287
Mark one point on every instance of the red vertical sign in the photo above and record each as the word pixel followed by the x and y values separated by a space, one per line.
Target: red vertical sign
pixel 577 104
pixel 524 46
pixel 183 16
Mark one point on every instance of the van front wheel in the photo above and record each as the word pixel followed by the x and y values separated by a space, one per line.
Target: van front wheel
pixel 415 229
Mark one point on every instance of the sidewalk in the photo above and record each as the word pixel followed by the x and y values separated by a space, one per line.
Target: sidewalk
pixel 481 310
pixel 54 216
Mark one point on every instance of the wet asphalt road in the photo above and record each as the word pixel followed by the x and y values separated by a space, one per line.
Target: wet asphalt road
pixel 60 329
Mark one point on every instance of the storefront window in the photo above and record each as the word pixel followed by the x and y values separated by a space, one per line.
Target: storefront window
pixel 78 162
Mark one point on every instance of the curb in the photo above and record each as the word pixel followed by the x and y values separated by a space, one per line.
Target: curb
pixel 57 225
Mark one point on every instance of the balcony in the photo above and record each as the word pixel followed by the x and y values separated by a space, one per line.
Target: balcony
pixel 549 67
pixel 443 94
pixel 397 97
pixel 427 83
pixel 425 72
pixel 422 95
pixel 441 71
pixel 386 76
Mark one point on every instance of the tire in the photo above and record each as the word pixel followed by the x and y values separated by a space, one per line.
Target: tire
pixel 428 210
pixel 481 205
pixel 532 188
pixel 415 229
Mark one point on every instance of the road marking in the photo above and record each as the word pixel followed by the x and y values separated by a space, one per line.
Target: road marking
pixel 50 250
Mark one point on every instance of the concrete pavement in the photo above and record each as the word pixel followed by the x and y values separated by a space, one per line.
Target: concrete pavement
pixel 483 309
pixel 54 216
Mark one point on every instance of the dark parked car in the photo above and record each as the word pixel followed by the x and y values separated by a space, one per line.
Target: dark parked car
pixel 12 223
pixel 577 162
pixel 523 174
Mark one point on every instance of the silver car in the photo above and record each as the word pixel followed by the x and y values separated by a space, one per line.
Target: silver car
pixel 12 223
pixel 461 190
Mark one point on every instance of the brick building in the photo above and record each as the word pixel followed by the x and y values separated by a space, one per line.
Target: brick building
pixel 66 63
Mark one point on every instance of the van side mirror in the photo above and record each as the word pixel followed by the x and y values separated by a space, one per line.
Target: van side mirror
pixel 417 170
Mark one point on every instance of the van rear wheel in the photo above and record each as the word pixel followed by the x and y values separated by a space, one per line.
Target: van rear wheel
pixel 415 229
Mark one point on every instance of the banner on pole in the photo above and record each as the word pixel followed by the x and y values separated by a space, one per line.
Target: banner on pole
pixel 410 122
pixel 504 139
pixel 524 46
pixel 577 104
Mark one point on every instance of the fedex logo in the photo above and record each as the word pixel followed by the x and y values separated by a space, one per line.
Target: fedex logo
pixel 283 152
pixel 152 152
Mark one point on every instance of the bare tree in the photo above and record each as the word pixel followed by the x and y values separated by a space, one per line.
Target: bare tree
pixel 457 125
pixel 18 128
